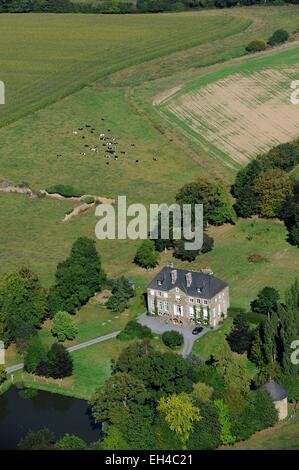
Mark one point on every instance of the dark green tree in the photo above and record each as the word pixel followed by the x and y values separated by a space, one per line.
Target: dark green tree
pixel 217 201
pixel 241 336
pixel 77 279
pixel 22 300
pixel 36 354
pixel 266 301
pixel 146 255
pixel 60 363
pixel 40 440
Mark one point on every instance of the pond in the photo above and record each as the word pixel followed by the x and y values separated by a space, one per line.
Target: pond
pixel 58 413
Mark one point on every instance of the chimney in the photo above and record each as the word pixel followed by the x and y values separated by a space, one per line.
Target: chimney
pixel 189 279
pixel 174 275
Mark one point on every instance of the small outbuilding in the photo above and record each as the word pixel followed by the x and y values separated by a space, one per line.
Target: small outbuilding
pixel 279 396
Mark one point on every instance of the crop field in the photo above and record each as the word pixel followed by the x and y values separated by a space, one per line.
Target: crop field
pixel 46 57
pixel 240 111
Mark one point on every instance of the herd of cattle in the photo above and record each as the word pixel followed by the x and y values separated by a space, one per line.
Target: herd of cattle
pixel 106 145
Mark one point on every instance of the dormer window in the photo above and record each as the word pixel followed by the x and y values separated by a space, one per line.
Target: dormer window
pixel 159 283
pixel 177 289
pixel 199 290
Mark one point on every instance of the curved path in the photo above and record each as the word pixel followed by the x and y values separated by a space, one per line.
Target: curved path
pixel 76 347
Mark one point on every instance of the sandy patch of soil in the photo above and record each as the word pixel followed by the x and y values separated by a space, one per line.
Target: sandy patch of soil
pixel 242 115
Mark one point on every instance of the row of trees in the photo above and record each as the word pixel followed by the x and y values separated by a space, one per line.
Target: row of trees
pixel 44 439
pixel 56 363
pixel 24 303
pixel 115 6
pixel 269 345
pixel 264 187
pixel 162 401
pixel 217 210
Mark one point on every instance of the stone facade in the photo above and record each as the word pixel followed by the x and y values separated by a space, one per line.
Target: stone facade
pixel 185 297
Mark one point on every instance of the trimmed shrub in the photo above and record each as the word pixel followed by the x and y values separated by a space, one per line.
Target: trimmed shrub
pixel 256 45
pixel 88 199
pixel 172 339
pixel 65 190
pixel 133 329
pixel 278 37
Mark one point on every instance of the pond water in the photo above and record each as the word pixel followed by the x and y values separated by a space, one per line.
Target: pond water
pixel 58 413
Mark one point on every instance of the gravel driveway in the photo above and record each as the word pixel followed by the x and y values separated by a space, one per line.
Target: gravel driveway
pixel 157 325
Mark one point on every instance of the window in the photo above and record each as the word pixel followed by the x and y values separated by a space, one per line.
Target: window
pixel 191 311
pixel 165 295
pixel 191 300
pixel 160 304
pixel 198 301
pixel 205 302
pixel 205 313
pixel 159 293
pixel 179 310
pixel 166 306
pixel 153 304
pixel 152 292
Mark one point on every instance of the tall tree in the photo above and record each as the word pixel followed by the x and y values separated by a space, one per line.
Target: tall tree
pixel 22 300
pixel 241 336
pixel 217 201
pixel 60 363
pixel 266 301
pixel 180 413
pixel 77 279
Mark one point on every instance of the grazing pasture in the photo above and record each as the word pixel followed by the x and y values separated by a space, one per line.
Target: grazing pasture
pixel 241 110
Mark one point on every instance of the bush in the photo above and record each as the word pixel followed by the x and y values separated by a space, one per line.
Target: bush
pixel 146 255
pixel 122 290
pixel 172 339
pixel 88 199
pixel 256 45
pixel 70 442
pixel 278 37
pixel 133 329
pixel 65 190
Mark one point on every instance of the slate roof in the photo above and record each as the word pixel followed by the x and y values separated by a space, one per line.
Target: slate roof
pixel 276 391
pixel 208 284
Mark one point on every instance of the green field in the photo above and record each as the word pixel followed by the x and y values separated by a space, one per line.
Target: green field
pixel 46 57
pixel 70 70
